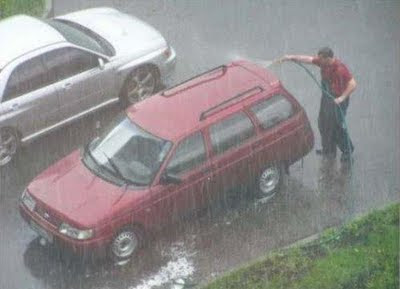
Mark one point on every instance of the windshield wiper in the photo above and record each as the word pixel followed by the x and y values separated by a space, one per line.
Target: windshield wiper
pixel 89 153
pixel 118 171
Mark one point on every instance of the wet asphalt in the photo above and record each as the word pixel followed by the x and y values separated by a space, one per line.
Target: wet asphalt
pixel 317 194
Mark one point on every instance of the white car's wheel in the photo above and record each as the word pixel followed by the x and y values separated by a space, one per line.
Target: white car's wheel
pixel 141 84
pixel 8 145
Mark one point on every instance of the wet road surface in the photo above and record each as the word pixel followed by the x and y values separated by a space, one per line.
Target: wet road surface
pixel 317 194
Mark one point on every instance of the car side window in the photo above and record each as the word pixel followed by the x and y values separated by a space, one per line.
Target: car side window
pixel 272 111
pixel 231 132
pixel 189 154
pixel 26 77
pixel 66 62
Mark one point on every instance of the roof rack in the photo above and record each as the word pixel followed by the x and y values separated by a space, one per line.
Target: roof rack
pixel 221 67
pixel 228 102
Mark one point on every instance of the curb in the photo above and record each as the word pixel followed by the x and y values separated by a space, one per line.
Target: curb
pixel 304 241
pixel 48 9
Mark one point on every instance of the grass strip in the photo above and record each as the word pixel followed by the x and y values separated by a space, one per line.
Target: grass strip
pixel 29 7
pixel 362 254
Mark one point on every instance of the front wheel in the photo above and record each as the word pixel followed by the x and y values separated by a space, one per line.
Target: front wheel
pixel 140 84
pixel 8 145
pixel 270 181
pixel 126 243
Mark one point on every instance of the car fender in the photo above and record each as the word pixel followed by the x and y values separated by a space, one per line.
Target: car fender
pixel 153 58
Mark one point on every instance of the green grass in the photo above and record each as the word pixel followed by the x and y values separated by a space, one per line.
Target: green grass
pixel 12 7
pixel 361 254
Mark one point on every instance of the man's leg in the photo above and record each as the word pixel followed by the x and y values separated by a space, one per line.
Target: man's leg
pixel 344 143
pixel 342 137
pixel 326 130
pixel 326 126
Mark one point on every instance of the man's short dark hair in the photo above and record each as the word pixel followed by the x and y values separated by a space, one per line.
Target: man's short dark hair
pixel 325 52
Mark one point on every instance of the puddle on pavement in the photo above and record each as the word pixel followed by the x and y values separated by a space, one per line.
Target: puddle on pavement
pixel 175 273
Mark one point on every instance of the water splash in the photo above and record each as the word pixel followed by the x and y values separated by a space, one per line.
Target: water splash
pixel 178 269
pixel 234 55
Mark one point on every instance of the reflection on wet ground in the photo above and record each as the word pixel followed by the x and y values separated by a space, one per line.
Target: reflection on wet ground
pixel 196 249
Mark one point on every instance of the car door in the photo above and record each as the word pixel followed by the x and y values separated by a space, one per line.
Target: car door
pixel 82 82
pixel 190 164
pixel 231 140
pixel 30 101
pixel 278 137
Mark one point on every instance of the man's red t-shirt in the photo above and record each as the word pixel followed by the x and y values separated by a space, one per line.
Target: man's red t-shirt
pixel 337 75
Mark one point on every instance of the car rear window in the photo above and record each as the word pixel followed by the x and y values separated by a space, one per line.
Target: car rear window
pixel 273 110
pixel 231 132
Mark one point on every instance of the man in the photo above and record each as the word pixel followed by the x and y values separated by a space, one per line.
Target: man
pixel 337 81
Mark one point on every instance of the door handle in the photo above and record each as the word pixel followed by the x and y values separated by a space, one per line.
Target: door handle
pixel 67 85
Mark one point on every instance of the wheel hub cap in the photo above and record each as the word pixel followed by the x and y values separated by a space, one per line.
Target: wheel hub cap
pixel 124 244
pixel 269 180
pixel 142 86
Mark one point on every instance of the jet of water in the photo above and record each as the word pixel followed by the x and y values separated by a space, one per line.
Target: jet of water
pixel 262 62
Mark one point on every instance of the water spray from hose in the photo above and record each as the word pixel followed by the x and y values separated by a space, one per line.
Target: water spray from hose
pixel 262 62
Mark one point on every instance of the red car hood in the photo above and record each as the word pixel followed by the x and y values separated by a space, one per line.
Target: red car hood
pixel 69 189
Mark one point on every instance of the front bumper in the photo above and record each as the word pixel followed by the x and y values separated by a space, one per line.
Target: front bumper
pixel 51 234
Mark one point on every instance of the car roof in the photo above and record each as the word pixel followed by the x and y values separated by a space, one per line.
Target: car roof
pixel 21 34
pixel 176 112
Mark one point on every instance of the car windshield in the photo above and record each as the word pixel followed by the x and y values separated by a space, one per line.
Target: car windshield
pixel 81 36
pixel 128 153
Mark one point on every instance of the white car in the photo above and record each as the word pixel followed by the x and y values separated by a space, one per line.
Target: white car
pixel 55 71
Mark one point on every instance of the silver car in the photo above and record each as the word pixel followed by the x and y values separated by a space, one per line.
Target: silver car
pixel 55 71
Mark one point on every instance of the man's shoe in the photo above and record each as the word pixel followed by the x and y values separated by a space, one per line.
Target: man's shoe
pixel 330 155
pixel 346 158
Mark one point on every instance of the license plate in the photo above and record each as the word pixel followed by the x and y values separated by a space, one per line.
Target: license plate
pixel 42 232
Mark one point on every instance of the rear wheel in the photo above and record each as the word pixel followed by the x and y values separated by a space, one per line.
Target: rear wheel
pixel 270 181
pixel 8 145
pixel 140 84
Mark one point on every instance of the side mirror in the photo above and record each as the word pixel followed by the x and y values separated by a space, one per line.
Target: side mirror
pixel 101 63
pixel 170 179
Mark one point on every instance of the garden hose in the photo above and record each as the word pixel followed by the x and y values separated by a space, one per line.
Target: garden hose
pixel 338 108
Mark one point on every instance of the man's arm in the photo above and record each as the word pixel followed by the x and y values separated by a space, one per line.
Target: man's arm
pixel 300 58
pixel 351 86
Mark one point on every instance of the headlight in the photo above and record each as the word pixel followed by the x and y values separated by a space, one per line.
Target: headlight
pixel 167 52
pixel 27 200
pixel 75 233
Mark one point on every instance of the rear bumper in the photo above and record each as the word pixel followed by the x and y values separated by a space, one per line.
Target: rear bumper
pixel 50 232
pixel 304 149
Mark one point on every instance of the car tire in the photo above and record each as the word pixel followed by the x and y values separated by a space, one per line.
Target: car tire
pixel 126 243
pixel 9 143
pixel 140 84
pixel 270 181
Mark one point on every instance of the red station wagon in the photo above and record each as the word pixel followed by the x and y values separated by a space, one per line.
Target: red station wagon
pixel 175 152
